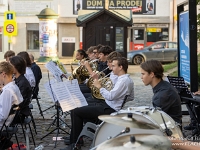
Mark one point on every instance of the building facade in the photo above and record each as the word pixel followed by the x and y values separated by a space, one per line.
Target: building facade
pixel 153 20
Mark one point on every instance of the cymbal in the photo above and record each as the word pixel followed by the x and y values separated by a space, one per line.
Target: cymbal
pixel 136 121
pixel 136 142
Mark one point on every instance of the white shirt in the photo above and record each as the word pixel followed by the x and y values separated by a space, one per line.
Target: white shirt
pixel 30 76
pixel 113 78
pixel 124 86
pixel 10 95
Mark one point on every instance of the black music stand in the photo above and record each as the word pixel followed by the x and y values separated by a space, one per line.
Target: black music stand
pixel 180 85
pixel 57 118
pixel 182 88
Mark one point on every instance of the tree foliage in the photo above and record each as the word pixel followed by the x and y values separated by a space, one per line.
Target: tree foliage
pixel 198 22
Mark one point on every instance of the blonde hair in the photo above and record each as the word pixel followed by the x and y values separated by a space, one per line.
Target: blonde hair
pixel 6 67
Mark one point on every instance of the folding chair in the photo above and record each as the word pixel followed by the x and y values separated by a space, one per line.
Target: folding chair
pixel 8 129
pixel 36 97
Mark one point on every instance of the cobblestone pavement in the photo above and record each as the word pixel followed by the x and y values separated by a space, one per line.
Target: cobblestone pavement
pixel 142 93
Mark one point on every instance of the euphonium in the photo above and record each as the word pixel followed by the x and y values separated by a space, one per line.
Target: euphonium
pixel 106 83
pixel 91 80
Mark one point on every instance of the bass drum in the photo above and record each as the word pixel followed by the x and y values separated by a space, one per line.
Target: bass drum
pixel 106 131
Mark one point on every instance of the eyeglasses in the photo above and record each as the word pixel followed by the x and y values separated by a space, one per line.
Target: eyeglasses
pixel 94 52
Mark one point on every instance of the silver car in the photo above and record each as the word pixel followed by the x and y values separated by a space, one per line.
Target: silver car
pixel 162 51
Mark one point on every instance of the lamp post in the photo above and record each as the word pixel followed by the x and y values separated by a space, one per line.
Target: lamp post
pixel 47 35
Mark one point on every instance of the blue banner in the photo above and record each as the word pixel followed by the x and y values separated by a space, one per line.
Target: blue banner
pixel 184 46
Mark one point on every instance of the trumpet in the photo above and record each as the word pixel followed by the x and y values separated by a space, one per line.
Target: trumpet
pixel 106 83
pixel 100 74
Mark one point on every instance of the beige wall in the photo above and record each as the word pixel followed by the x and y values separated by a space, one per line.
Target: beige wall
pixel 67 30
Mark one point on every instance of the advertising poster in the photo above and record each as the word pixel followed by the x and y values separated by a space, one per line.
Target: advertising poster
pixel 146 7
pixel 48 38
pixel 184 46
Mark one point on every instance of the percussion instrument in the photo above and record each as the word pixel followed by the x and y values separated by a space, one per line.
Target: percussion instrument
pixel 136 142
pixel 142 115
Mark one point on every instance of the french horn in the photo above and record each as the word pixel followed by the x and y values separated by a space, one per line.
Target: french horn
pixel 100 75
pixel 106 83
pixel 81 73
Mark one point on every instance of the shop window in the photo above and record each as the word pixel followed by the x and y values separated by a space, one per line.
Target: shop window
pixel 139 34
pixel 32 36
pixel 163 35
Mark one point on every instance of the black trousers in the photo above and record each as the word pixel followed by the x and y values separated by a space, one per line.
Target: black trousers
pixel 90 112
pixel 84 88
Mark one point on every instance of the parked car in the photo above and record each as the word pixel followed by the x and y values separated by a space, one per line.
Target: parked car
pixel 164 51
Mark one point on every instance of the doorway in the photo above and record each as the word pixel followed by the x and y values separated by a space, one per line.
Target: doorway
pixel 105 36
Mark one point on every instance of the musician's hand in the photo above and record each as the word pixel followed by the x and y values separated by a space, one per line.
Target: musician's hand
pixel 94 75
pixel 86 64
pixel 96 83
pixel 197 92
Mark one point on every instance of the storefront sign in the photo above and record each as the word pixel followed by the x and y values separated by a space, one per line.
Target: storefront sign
pixel 48 38
pixel 136 6
pixel 68 40
pixel 153 29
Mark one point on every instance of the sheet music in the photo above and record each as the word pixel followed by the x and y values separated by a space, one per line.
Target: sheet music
pixel 55 70
pixel 76 93
pixel 64 96
pixel 49 90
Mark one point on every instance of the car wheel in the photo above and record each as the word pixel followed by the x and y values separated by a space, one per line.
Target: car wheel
pixel 137 60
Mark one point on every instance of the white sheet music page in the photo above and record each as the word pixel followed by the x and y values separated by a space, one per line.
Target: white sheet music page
pixel 50 91
pixel 64 96
pixel 76 93
pixel 55 70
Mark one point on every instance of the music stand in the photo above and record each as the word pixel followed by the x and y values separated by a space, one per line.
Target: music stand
pixel 57 118
pixel 182 88
pixel 180 85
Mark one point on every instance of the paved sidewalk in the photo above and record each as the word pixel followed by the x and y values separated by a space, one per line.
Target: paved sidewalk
pixel 142 93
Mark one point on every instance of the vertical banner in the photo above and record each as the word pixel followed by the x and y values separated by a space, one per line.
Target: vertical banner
pixel 184 46
pixel 48 38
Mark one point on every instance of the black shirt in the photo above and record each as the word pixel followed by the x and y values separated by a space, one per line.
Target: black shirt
pixel 37 72
pixel 167 98
pixel 26 91
pixel 103 65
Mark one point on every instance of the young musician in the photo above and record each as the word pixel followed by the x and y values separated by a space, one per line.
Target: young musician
pixel 10 95
pixel 104 51
pixel 81 55
pixel 29 73
pixel 113 100
pixel 90 53
pixel 37 73
pixel 8 55
pixel 19 65
pixel 165 95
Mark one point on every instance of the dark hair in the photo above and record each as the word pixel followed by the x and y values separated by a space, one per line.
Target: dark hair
pixel 112 55
pixel 98 47
pixel 19 64
pixel 31 57
pixel 105 50
pixel 82 53
pixel 153 66
pixel 122 61
pixel 9 54
pixel 26 57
